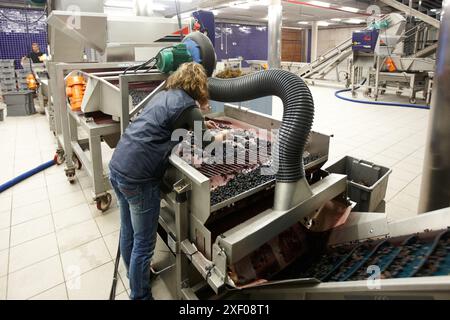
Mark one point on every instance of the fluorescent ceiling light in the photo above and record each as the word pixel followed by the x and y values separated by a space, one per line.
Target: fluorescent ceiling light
pixel 323 23
pixel 336 19
pixel 259 3
pixel 303 22
pixel 186 1
pixel 354 21
pixel 283 18
pixel 118 4
pixel 320 3
pixel 349 9
pixel 158 7
pixel 185 15
pixel 241 5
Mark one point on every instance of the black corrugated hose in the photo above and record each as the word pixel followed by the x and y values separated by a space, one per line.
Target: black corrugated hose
pixel 297 117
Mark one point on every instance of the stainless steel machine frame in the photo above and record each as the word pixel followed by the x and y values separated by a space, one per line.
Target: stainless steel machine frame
pixel 68 123
pixel 402 82
pixel 198 270
pixel 361 226
pixel 186 209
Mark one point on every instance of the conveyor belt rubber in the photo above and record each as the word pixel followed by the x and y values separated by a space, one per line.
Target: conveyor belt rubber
pixel 438 262
pixel 425 254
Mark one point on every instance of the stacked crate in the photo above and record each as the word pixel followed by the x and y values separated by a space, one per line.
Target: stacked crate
pixel 19 103
pixel 7 76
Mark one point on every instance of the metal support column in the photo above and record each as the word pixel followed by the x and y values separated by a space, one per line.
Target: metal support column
pixel 182 233
pixel 435 189
pixel 410 11
pixel 61 104
pixel 95 146
pixel 274 49
pixel 125 115
pixel 314 41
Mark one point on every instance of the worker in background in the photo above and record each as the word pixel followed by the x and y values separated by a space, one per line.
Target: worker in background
pixel 140 160
pixel 35 55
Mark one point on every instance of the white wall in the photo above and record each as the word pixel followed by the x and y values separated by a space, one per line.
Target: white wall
pixel 330 38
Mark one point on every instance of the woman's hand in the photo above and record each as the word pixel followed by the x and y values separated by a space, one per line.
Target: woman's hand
pixel 211 124
pixel 222 136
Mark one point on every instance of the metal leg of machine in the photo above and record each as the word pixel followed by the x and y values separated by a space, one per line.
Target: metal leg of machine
pixel 64 140
pixel 104 200
pixel 108 105
pixel 215 241
pixel 182 232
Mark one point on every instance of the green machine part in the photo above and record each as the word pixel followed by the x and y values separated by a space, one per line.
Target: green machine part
pixel 170 59
pixel 37 2
pixel 380 25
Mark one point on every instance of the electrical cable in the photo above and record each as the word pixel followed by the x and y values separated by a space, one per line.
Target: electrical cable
pixel 145 64
pixel 142 65
pixel 138 66
pixel 112 294
pixel 152 66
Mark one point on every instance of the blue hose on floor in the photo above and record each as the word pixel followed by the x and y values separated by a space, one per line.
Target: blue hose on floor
pixel 26 175
pixel 392 104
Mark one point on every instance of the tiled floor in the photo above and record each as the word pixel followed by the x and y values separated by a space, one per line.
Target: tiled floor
pixel 54 244
pixel 390 136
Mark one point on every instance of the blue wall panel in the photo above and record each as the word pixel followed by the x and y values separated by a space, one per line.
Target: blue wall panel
pixel 239 40
pixel 15 42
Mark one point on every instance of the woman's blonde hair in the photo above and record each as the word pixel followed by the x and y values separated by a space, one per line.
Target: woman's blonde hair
pixel 190 77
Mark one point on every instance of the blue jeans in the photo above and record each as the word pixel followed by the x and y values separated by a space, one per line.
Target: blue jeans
pixel 139 213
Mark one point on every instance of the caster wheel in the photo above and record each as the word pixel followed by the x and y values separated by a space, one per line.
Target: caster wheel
pixel 77 162
pixel 70 176
pixel 412 100
pixel 59 158
pixel 104 202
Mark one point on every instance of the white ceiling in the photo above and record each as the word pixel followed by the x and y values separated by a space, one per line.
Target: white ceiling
pixel 253 11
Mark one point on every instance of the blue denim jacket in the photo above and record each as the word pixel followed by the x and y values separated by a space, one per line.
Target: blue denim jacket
pixel 143 151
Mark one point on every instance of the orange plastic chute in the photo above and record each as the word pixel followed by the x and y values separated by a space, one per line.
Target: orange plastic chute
pixel 75 87
pixel 390 65
pixel 31 82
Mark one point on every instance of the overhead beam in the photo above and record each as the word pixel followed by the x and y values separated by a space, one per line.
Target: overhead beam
pixel 426 51
pixel 406 9
pixel 275 11
pixel 204 4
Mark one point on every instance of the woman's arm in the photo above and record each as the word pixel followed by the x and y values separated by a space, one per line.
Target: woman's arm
pixel 188 118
